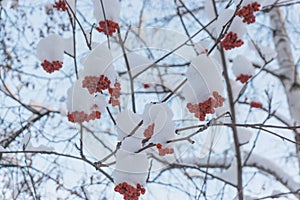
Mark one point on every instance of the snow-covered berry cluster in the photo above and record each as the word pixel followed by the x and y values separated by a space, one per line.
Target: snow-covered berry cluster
pixel 108 27
pixel 201 109
pixel 247 12
pixel 149 131
pixel 231 41
pixel 96 84
pixel 61 5
pixel 81 116
pixel 115 94
pixel 50 67
pixel 130 192
pixel 243 78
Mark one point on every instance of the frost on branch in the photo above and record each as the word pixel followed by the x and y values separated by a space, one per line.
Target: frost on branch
pixel 204 88
pixel 99 74
pixel 51 55
pixel 27 145
pixel 83 106
pixel 242 68
pixel 130 174
pixel 108 20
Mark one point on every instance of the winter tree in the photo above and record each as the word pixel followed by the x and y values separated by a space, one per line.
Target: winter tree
pixel 109 99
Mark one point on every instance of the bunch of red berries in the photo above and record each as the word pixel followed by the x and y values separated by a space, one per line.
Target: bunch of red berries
pixel 61 5
pixel 149 131
pixel 115 94
pixel 96 84
pixel 247 12
pixel 80 116
pixel 201 109
pixel 231 41
pixel 164 151
pixel 51 67
pixel 111 27
pixel 129 191
pixel 243 78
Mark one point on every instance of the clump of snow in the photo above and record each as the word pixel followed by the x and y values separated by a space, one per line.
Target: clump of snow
pixel 99 61
pixel 46 50
pixel 27 145
pixel 161 116
pixel 137 63
pixel 244 135
pixel 111 10
pixel 131 168
pixel 79 99
pixel 241 65
pixel 203 77
pixel 158 114
pixel 237 26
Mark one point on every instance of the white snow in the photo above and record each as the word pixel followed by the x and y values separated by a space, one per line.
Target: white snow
pixel 244 135
pixel 137 63
pixel 161 115
pixel 111 10
pixel 241 65
pixel 271 168
pixel 131 168
pixel 126 122
pixel 99 61
pixel 203 78
pixel 25 140
pixel 46 50
pixel 79 99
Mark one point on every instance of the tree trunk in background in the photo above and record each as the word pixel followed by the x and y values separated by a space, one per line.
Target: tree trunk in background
pixel 287 67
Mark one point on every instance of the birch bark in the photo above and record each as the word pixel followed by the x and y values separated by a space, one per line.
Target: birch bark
pixel 287 68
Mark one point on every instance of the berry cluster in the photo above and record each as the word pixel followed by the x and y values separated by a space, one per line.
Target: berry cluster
pixel 111 27
pixel 129 191
pixel 243 78
pixel 201 109
pixel 81 116
pixel 255 104
pixel 61 4
pixel 115 94
pixel 231 41
pixel 149 131
pixel 247 12
pixel 51 66
pixel 164 151
pixel 96 84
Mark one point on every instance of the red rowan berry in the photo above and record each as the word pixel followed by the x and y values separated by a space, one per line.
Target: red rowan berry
pixel 111 27
pixel 51 67
pixel 61 4
pixel 231 41
pixel 255 104
pixel 243 78
pixel 247 12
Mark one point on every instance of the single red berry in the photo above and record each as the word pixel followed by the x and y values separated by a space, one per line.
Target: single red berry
pixel 255 104
pixel 243 78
